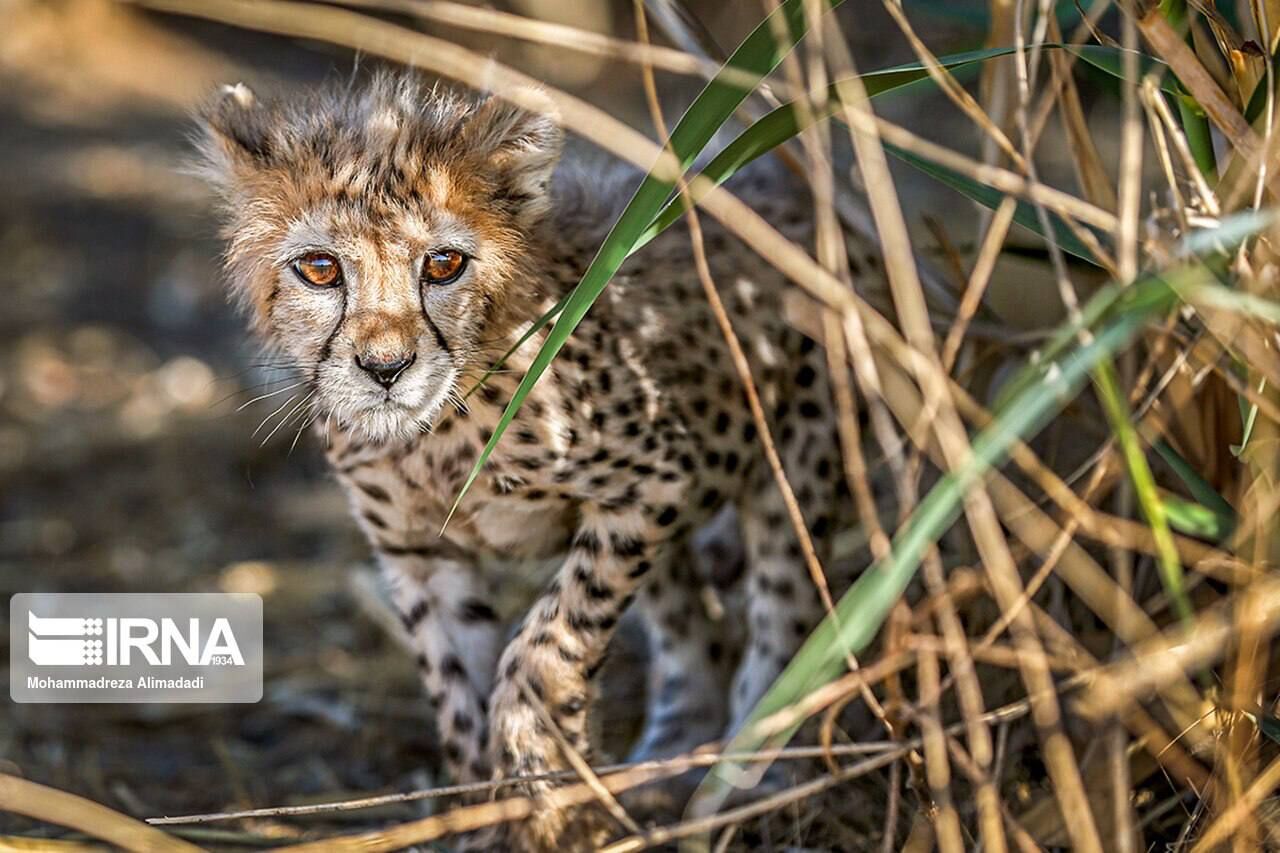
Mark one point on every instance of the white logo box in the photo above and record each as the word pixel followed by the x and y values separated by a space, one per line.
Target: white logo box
pixel 135 647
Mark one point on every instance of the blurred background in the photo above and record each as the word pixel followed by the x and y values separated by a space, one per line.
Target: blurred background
pixel 126 460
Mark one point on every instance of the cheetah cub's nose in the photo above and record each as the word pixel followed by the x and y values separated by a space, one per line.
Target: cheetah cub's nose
pixel 385 370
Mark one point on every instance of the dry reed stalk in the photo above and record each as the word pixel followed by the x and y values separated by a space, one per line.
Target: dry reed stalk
pixel 702 757
pixel 1002 655
pixel 1163 659
pixel 983 266
pixel 996 90
pixel 560 36
pixel 787 718
pixel 1171 48
pixel 481 816
pixel 855 466
pixel 946 821
pixel 703 825
pixel 40 802
pixel 1149 734
pixel 579 764
pixel 1239 813
pixel 1024 74
pixel 23 844
pixel 970 696
pixel 969 692
pixel 1129 198
pixel 1158 105
pixel 1121 787
pixel 831 249
pixel 1022 839
pixel 1095 184
pixel 834 258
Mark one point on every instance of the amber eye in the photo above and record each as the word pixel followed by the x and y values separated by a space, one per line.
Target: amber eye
pixel 442 266
pixel 319 269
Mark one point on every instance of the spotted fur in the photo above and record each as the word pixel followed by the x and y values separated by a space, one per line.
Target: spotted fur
pixel 637 435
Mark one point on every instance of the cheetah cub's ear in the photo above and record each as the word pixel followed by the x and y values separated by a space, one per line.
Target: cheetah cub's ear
pixel 522 147
pixel 234 139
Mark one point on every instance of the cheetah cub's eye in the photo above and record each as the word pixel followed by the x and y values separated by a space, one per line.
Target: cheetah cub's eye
pixel 443 266
pixel 318 269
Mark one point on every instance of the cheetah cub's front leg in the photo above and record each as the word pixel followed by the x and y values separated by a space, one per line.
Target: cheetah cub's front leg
pixel 455 636
pixel 553 659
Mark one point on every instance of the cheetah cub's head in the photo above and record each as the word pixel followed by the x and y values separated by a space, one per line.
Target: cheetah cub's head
pixel 377 236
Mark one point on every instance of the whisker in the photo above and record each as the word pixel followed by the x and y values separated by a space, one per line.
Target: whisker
pixel 275 367
pixel 306 422
pixel 247 390
pixel 286 418
pixel 312 410
pixel 273 414
pixel 246 405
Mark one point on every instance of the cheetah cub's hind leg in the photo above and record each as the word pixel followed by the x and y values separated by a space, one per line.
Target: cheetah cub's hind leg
pixel 689 664
pixel 783 603
pixel 688 678
pixel 456 638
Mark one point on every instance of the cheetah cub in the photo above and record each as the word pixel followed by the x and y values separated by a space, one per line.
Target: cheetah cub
pixel 394 241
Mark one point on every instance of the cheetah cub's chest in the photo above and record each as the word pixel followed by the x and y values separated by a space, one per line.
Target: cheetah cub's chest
pixel 402 495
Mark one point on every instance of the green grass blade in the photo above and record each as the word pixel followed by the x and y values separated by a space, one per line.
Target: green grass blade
pixel 1229 233
pixel 977 13
pixel 1024 215
pixel 1196 519
pixel 1205 495
pixel 1239 302
pixel 1144 486
pixel 1111 61
pixel 758 55
pixel 1250 417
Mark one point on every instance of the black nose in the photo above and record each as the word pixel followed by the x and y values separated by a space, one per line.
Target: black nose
pixel 385 371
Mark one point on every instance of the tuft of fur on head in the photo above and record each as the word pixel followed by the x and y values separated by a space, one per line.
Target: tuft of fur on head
pixel 376 175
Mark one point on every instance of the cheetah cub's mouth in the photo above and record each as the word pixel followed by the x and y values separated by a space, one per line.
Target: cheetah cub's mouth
pixel 410 406
pixel 387 241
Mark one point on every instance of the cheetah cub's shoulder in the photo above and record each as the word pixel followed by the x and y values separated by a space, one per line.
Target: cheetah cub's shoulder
pixel 394 241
